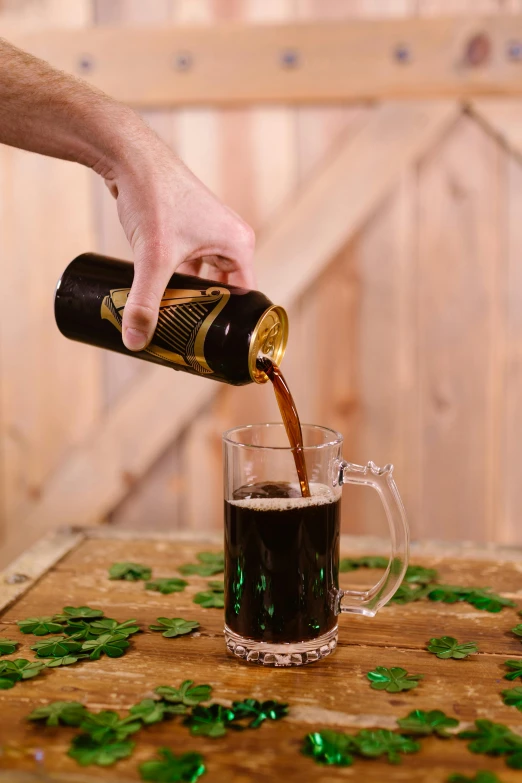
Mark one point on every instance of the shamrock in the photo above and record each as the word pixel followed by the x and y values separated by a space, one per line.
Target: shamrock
pixel 185 694
pixel 346 564
pixel 112 644
pixel 516 669
pixel 210 563
pixel 259 711
pixel 79 613
pixel 372 561
pixel 491 738
pixel 448 647
pixel 517 630
pixel 28 669
pixel 480 777
pixel 210 599
pixel 488 601
pixel 9 675
pixel 514 760
pixel 433 722
pixel 86 751
pixel 39 625
pixel 127 628
pixel 406 594
pixel 132 572
pixel 209 721
pixel 379 742
pixel 167 585
pixel 7 646
pixel 188 767
pixel 107 726
pixel 175 626
pixel 513 697
pixel 329 747
pixel 151 711
pixel 66 660
pixel 66 713
pixel 216 586
pixel 56 647
pixel 420 575
pixel 393 680
pixel 449 594
pixel 79 631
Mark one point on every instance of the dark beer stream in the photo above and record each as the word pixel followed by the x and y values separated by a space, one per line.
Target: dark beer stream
pixel 290 418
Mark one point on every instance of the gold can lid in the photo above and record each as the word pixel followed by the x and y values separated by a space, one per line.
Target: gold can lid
pixel 268 340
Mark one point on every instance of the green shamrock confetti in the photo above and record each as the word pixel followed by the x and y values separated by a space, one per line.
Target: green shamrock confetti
pixel 79 631
pixel 132 572
pixel 406 593
pixel 100 627
pixel 78 613
pixel 480 777
pixel 449 594
pixel 393 680
pixel 65 713
pixel 494 739
pixel 29 669
pixel 515 669
pixel 66 660
pixel 257 712
pixel 210 599
pixel 210 563
pixel 481 598
pixel 374 743
pixel 188 693
pixel 39 626
pixel 85 750
pixel 7 646
pixel 107 726
pixel 517 630
pixel 209 721
pixel 167 585
pixel 329 747
pixel 9 675
pixel 174 626
pixel 513 697
pixel 112 644
pixel 426 723
pixel 353 564
pixel 56 647
pixel 151 711
pixel 448 647
pixel 420 575
pixel 515 760
pixel 187 767
pixel 216 586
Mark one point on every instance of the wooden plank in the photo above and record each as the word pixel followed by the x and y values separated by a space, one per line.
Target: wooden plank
pixel 501 118
pixel 81 577
pixel 308 62
pixel 306 235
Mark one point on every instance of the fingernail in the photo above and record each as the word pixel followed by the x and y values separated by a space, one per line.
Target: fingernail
pixel 134 339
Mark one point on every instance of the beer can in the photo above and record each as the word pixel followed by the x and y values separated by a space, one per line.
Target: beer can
pixel 206 328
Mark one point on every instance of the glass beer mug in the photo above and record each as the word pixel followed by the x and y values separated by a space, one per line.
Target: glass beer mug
pixel 282 596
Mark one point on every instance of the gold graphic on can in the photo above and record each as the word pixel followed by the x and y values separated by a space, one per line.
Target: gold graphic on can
pixel 185 316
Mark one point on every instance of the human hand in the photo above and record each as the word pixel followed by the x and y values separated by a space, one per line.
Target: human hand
pixel 173 223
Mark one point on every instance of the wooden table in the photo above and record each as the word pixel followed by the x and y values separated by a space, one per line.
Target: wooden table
pixel 70 568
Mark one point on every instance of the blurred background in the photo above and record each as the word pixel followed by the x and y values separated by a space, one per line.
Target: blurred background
pixel 385 184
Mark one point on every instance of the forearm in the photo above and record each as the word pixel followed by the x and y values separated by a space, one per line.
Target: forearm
pixel 44 110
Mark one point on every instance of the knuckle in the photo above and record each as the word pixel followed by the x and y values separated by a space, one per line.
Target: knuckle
pixel 244 236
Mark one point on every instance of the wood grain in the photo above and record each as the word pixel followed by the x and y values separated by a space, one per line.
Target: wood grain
pixel 334 693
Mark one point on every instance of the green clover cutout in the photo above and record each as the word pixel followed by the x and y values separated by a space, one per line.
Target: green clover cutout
pixel 393 680
pixel 131 572
pixel 491 738
pixel 426 723
pixel 39 626
pixel 188 693
pixel 209 721
pixel 257 712
pixel 420 575
pixel 329 747
pixel 150 711
pixel 78 613
pixel 56 647
pixel 167 585
pixel 210 599
pixel 187 767
pixel 448 647
pixel 515 669
pixel 7 646
pixel 65 713
pixel 108 625
pixel 29 669
pixel 174 626
pixel 66 660
pixel 373 743
pixel 210 563
pixel 513 697
pixel 85 750
pixel 114 645
pixel 107 726
pixel 9 675
pixel 480 777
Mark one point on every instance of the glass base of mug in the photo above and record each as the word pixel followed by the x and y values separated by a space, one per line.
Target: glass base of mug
pixel 284 654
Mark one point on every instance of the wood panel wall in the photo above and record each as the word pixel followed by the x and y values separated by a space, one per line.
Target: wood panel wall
pixel 409 342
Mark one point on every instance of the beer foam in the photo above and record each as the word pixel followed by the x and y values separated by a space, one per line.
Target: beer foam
pixel 321 496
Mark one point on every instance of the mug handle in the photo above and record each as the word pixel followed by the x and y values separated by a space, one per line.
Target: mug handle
pixel 369 602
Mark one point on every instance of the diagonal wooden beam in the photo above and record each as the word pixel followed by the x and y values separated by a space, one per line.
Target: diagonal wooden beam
pixel 292 252
pixel 502 117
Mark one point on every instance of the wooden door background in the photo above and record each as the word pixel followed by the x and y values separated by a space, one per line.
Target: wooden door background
pixel 406 319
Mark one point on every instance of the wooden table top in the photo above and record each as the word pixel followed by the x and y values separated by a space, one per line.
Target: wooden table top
pixel 70 568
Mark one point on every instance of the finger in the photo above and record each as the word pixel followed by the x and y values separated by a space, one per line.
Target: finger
pixel 140 315
pixel 227 270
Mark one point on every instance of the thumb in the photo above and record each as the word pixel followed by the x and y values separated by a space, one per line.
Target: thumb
pixel 140 315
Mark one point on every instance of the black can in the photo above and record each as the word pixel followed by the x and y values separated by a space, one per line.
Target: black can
pixel 210 329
